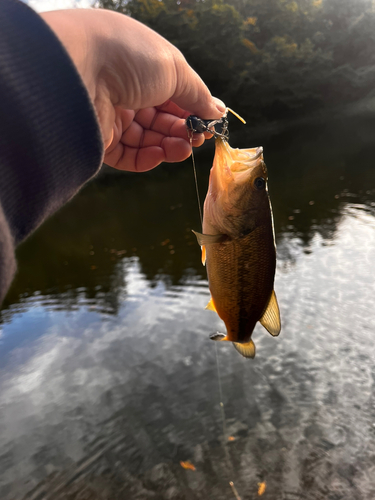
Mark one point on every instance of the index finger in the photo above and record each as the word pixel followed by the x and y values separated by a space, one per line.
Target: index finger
pixel 172 108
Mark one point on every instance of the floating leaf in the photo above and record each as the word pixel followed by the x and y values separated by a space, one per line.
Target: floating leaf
pixel 187 465
pixel 261 488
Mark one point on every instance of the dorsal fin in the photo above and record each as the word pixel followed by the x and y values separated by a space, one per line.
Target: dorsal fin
pixel 247 350
pixel 271 317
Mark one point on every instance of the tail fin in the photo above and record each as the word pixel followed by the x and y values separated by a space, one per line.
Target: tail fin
pixel 247 350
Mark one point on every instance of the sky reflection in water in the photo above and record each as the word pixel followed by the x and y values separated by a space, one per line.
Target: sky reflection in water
pixel 108 378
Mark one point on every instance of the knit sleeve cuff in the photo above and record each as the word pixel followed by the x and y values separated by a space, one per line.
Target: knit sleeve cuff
pixel 50 141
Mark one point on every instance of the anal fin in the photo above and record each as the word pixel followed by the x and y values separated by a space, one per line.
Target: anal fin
pixel 211 306
pixel 271 317
pixel 247 350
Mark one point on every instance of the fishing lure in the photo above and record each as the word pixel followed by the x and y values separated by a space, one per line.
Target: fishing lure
pixel 218 128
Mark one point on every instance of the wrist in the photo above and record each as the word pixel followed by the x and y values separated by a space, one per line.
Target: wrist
pixel 78 41
pixel 78 32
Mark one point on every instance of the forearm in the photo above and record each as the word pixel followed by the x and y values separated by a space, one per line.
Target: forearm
pixel 50 142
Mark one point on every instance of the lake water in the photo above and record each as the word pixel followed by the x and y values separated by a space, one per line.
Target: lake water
pixel 108 378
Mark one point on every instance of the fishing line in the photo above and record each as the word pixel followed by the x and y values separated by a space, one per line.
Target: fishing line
pixel 195 124
pixel 195 178
pixel 217 355
pixel 221 395
pixel 225 434
pixel 221 403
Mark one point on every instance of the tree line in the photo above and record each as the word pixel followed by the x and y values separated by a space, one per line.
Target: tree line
pixel 270 58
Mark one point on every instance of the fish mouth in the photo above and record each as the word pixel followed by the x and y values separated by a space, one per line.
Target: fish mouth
pixel 233 164
pixel 238 160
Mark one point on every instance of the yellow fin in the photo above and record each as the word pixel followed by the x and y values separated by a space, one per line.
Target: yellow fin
pixel 211 306
pixel 247 350
pixel 271 317
pixel 203 255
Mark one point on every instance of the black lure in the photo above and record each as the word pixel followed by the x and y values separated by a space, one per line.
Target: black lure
pixel 219 128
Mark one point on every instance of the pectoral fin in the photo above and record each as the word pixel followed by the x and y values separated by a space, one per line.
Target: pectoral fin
pixel 208 239
pixel 247 350
pixel 211 306
pixel 203 255
pixel 271 317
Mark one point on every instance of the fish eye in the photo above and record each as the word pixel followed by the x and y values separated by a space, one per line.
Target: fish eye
pixel 260 183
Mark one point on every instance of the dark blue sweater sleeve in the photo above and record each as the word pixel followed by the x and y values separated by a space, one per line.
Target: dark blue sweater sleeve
pixel 50 142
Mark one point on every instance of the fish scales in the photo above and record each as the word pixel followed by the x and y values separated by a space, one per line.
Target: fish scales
pixel 241 274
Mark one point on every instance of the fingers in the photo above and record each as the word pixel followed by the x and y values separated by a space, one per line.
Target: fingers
pixel 162 122
pixel 172 108
pixel 171 150
pixel 145 138
pixel 150 126
pixel 219 105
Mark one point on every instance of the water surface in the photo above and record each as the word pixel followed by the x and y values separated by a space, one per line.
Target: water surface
pixel 107 376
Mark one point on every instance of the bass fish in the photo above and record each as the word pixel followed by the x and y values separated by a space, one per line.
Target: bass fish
pixel 238 245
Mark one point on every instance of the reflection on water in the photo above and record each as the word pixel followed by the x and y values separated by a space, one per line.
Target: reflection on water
pixel 107 376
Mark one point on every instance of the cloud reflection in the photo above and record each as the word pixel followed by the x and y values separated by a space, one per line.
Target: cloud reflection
pixel 91 401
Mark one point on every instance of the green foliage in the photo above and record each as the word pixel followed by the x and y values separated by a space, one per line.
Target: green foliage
pixel 270 58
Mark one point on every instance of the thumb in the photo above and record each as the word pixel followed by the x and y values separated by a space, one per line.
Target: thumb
pixel 193 95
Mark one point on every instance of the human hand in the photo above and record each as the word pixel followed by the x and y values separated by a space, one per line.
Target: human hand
pixel 141 86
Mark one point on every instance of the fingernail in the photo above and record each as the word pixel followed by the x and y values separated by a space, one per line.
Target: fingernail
pixel 220 105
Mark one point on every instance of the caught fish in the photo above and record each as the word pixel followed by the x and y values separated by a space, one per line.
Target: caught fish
pixel 238 245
